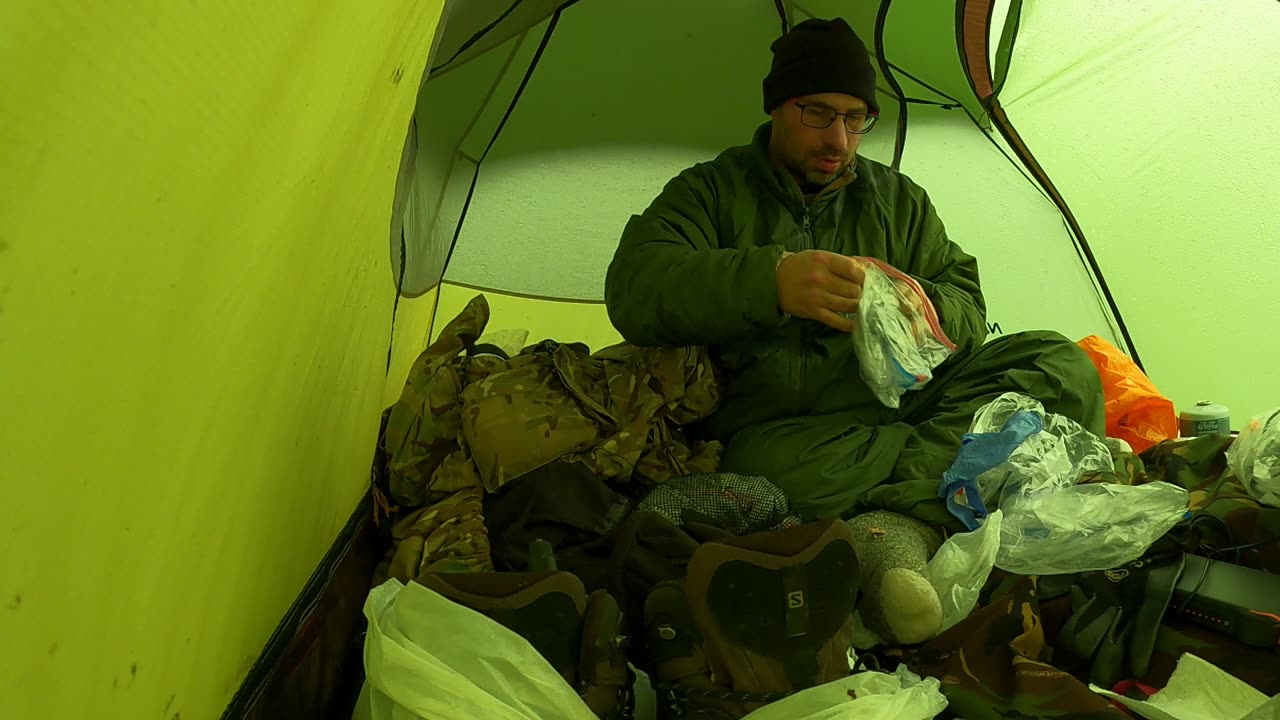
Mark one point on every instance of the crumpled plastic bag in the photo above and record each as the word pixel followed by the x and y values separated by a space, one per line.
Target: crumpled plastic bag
pixel 1198 690
pixel 426 658
pixel 1070 450
pixel 979 453
pixel 1254 457
pixel 1053 525
pixel 902 695
pixel 961 566
pixel 897 337
pixel 1136 411
pixel 1090 527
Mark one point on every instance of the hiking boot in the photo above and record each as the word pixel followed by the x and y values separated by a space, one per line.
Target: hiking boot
pixel 578 635
pixel 758 618
pixel 604 678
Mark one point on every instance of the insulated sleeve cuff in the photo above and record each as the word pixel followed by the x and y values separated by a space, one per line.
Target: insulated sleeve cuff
pixel 960 319
pixel 761 268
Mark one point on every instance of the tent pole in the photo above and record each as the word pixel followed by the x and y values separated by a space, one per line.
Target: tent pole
pixel 973 27
pixel 882 15
pixel 782 15
pixel 1002 123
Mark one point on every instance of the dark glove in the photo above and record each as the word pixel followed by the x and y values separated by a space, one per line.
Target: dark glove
pixel 1115 615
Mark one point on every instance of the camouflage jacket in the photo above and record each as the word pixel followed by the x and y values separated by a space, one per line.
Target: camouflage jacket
pixel 468 420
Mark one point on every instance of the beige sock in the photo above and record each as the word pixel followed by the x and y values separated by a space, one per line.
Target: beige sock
pixel 898 603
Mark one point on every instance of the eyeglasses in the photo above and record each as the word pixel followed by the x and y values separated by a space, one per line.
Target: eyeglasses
pixel 821 116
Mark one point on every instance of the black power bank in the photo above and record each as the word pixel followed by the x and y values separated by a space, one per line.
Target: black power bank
pixel 1238 601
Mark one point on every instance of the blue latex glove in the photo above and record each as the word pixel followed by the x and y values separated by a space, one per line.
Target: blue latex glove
pixel 979 452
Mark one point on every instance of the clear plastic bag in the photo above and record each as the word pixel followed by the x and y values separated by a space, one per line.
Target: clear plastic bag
pixel 1097 526
pixel 1055 458
pixel 427 657
pixel 961 566
pixel 1254 457
pixel 897 337
pixel 1053 525
pixel 900 695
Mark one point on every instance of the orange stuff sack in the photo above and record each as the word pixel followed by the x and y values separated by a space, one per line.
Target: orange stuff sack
pixel 1136 411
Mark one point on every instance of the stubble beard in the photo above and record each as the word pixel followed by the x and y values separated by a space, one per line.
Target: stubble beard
pixel 808 176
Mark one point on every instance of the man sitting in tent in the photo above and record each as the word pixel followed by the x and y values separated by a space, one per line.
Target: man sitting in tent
pixel 753 254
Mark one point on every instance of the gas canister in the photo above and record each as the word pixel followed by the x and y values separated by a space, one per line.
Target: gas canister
pixel 1204 418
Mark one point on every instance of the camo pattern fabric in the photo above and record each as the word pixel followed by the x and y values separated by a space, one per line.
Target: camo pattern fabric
pixel 479 421
pixel 1230 524
pixel 997 664
pixel 446 535
pixel 558 401
pixel 421 438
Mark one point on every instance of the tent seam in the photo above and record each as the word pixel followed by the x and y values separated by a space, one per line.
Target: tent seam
pixel 515 99
pixel 780 6
pixel 266 666
pixel 1002 122
pixel 1008 39
pixel 457 152
pixel 527 296
pixel 476 36
pixel 446 69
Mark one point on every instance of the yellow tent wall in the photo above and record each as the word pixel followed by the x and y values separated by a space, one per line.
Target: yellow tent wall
pixel 195 304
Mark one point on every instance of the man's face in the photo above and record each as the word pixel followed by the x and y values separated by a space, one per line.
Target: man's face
pixel 815 156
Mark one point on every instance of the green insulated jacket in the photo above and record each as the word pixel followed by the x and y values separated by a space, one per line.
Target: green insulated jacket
pixel 697 268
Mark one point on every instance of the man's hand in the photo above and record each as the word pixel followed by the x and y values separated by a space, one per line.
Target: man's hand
pixel 818 285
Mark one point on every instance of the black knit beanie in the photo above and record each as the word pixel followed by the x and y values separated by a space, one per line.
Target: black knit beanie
pixel 819 56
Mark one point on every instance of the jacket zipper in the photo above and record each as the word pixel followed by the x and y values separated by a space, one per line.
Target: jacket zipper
pixel 809 244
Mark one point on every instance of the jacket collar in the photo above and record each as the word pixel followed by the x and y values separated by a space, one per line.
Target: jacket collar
pixel 781 182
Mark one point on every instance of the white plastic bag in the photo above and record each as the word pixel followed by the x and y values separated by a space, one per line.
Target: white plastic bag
pixel 961 566
pixel 902 695
pixel 428 658
pixel 897 337
pixel 1254 457
pixel 1199 690
pixel 1053 525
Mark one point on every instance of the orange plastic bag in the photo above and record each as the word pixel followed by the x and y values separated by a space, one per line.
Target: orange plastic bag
pixel 1136 411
